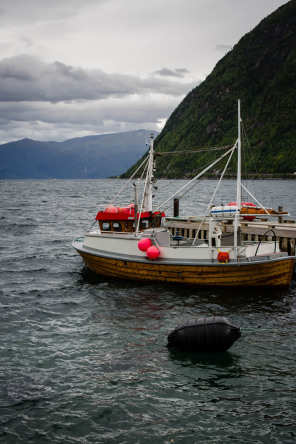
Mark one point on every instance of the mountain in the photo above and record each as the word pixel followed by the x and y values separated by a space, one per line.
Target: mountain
pixel 88 157
pixel 261 71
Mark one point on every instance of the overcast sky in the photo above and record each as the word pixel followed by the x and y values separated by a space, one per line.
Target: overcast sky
pixel 70 68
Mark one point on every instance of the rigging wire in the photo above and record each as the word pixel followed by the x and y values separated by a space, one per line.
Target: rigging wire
pixel 244 163
pixel 145 160
pixel 173 181
pixel 253 197
pixel 254 164
pixel 198 150
pixel 187 191
pixel 214 194
pixel 194 179
pixel 196 171
pixel 166 153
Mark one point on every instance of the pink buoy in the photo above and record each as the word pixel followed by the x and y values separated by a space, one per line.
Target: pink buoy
pixel 110 209
pixel 144 244
pixel 153 252
pixel 244 204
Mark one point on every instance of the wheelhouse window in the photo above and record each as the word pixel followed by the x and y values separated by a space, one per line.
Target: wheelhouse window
pixel 106 226
pixel 145 224
pixel 117 226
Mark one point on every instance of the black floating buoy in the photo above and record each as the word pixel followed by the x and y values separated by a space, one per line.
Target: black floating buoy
pixel 204 335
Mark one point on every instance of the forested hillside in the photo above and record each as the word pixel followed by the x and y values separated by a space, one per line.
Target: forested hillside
pixel 261 71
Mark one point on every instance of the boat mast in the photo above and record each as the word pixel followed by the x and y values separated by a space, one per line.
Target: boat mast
pixel 238 183
pixel 239 162
pixel 147 201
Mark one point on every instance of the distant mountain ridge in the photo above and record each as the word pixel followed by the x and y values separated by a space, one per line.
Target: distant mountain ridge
pixel 261 71
pixel 90 157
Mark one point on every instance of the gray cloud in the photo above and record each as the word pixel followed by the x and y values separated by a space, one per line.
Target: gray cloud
pixel 167 72
pixel 34 11
pixel 54 101
pixel 115 61
pixel 27 78
pixel 48 121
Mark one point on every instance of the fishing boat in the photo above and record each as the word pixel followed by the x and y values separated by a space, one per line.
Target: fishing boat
pixel 134 241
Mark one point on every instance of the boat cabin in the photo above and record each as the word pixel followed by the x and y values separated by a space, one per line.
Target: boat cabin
pixel 118 219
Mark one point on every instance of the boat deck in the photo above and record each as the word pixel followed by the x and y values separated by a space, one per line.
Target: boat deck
pixel 285 230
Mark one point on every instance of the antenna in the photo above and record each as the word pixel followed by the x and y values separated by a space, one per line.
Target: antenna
pixel 147 127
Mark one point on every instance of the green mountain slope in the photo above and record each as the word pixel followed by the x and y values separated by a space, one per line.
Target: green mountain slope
pixel 261 71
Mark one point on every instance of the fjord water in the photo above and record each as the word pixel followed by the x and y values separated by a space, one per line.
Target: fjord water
pixel 84 358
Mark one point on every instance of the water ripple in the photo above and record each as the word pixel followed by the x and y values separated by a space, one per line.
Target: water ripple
pixel 85 359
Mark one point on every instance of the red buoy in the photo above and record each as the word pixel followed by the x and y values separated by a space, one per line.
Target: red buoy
pixel 153 252
pixel 144 244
